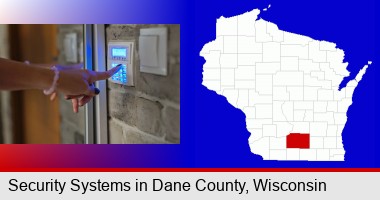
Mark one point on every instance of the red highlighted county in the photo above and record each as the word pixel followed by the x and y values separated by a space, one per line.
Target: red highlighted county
pixel 298 140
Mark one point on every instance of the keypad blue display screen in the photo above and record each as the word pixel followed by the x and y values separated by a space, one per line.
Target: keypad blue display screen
pixel 119 52
pixel 121 75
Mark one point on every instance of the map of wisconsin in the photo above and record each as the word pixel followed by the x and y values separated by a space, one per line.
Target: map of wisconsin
pixel 286 84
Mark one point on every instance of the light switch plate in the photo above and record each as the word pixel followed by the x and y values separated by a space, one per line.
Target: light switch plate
pixel 153 55
pixel 148 51
pixel 70 47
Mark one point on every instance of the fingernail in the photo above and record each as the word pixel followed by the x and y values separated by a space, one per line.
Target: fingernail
pixel 119 66
pixel 97 91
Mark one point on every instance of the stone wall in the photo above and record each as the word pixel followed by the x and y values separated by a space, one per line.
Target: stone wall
pixel 149 112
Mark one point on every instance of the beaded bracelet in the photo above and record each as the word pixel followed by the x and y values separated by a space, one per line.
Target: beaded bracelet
pixel 55 80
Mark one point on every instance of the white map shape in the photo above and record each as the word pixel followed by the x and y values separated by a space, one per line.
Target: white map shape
pixel 284 83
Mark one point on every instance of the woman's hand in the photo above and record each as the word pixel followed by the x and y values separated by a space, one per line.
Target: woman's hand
pixel 70 67
pixel 78 84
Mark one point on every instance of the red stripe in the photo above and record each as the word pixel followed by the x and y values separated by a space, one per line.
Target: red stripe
pixel 189 169
pixel 298 140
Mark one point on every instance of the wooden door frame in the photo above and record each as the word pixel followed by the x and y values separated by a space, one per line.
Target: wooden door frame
pixel 17 98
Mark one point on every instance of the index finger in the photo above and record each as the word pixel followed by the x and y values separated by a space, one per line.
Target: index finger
pixel 69 67
pixel 107 74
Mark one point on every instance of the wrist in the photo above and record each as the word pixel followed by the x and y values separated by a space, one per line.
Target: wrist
pixel 44 78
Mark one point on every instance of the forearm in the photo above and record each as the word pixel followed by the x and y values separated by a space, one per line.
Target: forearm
pixel 21 76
